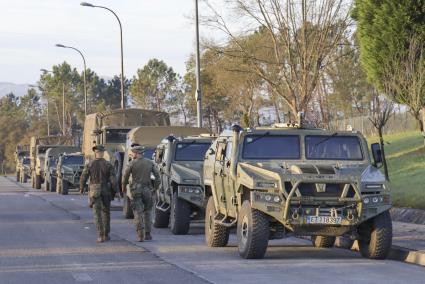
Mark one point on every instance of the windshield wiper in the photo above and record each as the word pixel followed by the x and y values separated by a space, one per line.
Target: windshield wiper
pixel 259 137
pixel 326 139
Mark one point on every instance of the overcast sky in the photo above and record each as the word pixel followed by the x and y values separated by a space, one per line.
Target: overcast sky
pixel 29 29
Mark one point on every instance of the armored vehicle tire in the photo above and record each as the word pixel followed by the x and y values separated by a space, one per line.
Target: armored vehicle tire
pixel 126 208
pixel 376 236
pixel 323 241
pixel 216 235
pixel 179 215
pixel 344 242
pixel 52 184
pixel 18 175
pixel 160 218
pixel 65 187
pixel 25 178
pixel 253 232
pixel 37 182
pixel 47 185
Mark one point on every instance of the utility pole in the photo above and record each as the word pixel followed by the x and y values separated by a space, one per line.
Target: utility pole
pixel 198 95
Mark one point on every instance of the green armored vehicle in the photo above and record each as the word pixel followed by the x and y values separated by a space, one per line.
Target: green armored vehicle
pixel 21 152
pixel 50 165
pixel 282 180
pixel 69 169
pixel 181 197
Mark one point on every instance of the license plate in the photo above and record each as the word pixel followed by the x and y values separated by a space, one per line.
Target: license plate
pixel 324 220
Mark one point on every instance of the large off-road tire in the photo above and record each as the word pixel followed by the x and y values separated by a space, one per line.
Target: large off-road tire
pixel 37 182
pixel 126 208
pixel 24 178
pixel 53 182
pixel 18 176
pixel 253 232
pixel 376 236
pixel 160 218
pixel 65 187
pixel 47 185
pixel 323 241
pixel 216 235
pixel 344 242
pixel 179 215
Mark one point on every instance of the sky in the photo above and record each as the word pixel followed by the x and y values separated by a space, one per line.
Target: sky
pixel 29 29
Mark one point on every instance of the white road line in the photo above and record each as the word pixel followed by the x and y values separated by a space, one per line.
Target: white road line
pixel 82 277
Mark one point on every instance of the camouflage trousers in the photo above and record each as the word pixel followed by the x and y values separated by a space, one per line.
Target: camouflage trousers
pixel 142 210
pixel 102 213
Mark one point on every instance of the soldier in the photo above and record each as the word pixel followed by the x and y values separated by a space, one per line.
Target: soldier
pixel 101 191
pixel 140 192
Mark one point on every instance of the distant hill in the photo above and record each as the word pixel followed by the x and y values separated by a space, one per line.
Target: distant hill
pixel 17 89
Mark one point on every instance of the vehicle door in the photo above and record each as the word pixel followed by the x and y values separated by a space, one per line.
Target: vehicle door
pixel 219 180
pixel 227 181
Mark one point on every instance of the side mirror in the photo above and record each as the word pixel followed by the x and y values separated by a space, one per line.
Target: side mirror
pixel 211 151
pixel 377 154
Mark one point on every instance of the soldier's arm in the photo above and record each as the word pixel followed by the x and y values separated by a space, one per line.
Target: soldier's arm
pixel 84 177
pixel 126 175
pixel 157 176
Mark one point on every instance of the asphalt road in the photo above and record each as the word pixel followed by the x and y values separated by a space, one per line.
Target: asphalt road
pixel 49 238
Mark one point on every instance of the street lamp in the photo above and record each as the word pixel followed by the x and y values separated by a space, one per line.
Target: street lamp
pixel 47 109
pixel 198 95
pixel 63 101
pixel 85 4
pixel 84 75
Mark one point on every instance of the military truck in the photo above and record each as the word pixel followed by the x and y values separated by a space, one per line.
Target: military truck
pixel 289 179
pixel 181 197
pixel 110 128
pixel 38 148
pixel 24 169
pixel 69 169
pixel 20 152
pixel 50 165
pixel 149 137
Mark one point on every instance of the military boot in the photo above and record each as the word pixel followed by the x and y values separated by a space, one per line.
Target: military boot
pixel 107 237
pixel 148 237
pixel 100 240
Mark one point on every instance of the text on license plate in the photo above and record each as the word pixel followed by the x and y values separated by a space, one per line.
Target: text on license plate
pixel 324 220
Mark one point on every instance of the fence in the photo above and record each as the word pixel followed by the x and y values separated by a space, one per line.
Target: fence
pixel 399 122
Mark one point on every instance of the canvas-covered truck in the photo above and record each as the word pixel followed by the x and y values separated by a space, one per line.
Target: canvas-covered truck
pixel 181 197
pixel 273 182
pixel 21 152
pixel 110 129
pixel 38 148
pixel 50 165
pixel 149 137
pixel 70 167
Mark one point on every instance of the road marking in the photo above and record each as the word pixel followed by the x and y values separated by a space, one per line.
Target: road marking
pixel 27 195
pixel 82 277
pixel 87 228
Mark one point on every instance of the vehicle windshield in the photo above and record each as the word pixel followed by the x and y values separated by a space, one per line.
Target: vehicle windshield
pixel 52 162
pixel 191 151
pixel 73 160
pixel 149 153
pixel 271 147
pixel 116 135
pixel 335 147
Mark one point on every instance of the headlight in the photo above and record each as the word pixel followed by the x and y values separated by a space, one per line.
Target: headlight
pixel 366 200
pixel 266 184
pixel 190 189
pixel 267 197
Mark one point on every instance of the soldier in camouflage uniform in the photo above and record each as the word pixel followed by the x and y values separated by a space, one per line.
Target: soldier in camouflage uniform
pixel 140 192
pixel 101 191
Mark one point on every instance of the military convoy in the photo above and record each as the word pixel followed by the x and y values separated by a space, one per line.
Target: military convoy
pixel 277 181
pixel 38 148
pixel 69 169
pixel 51 163
pixel 181 197
pixel 267 182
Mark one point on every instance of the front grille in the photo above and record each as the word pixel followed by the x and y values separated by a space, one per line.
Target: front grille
pixel 324 190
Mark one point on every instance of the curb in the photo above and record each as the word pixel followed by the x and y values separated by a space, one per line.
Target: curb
pixel 398 254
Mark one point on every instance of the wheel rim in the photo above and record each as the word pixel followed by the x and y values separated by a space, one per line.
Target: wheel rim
pixel 244 230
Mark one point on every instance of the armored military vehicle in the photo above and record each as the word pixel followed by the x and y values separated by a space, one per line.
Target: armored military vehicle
pixel 110 128
pixel 181 197
pixel 149 137
pixel 69 169
pixel 21 152
pixel 282 180
pixel 38 148
pixel 50 165
pixel 24 169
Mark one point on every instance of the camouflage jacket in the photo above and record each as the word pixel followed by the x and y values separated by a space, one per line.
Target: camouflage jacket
pixel 99 171
pixel 140 171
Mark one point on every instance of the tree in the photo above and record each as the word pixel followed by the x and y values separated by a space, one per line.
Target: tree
pixel 296 39
pixel 386 31
pixel 153 85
